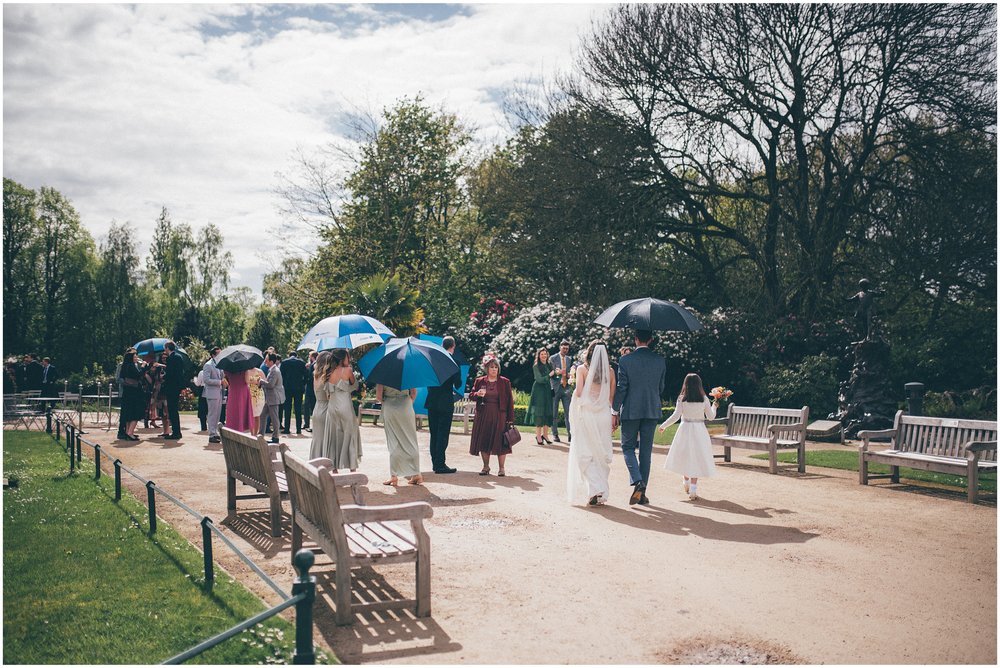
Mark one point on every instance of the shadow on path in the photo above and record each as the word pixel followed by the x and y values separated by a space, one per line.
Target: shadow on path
pixel 654 518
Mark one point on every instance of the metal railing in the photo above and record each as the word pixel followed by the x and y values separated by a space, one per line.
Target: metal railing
pixel 303 588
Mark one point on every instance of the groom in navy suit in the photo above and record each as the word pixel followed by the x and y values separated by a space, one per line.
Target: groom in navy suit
pixel 641 377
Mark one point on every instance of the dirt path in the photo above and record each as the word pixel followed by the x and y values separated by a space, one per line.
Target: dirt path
pixel 787 568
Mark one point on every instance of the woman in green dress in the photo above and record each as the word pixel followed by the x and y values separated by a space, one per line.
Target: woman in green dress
pixel 540 405
pixel 400 434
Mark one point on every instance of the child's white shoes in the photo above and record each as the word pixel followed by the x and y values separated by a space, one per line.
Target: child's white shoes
pixel 692 491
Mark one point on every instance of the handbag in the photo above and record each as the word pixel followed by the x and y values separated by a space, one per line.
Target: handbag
pixel 511 436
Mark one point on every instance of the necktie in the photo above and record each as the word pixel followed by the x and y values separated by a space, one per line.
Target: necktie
pixel 563 357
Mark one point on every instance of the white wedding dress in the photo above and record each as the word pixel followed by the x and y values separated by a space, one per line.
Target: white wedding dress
pixel 691 451
pixel 590 448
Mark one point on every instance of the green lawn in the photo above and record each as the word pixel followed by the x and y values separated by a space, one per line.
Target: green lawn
pixel 85 584
pixel 846 460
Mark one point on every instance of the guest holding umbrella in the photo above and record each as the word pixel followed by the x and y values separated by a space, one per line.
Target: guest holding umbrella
pixel 494 414
pixel 400 433
pixel 540 404
pixel 341 442
pixel 235 362
pixel 321 399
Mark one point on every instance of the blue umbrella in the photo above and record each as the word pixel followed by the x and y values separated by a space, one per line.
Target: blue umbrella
pixel 408 363
pixel 147 346
pixel 340 331
pixel 420 401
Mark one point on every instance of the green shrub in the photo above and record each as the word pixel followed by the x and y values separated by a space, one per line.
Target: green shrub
pixel 978 404
pixel 812 383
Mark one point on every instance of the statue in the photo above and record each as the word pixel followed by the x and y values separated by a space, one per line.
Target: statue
pixel 864 316
pixel 865 399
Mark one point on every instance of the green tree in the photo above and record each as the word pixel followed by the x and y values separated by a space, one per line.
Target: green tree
pixel 386 299
pixel 20 276
pixel 120 292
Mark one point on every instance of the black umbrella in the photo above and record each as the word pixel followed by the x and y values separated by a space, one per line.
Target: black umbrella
pixel 239 358
pixel 649 313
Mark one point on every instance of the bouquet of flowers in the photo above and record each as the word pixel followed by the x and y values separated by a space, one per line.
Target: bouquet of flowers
pixel 720 393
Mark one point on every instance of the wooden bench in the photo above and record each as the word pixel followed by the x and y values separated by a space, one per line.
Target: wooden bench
pixel 257 463
pixel 960 447
pixel 767 429
pixel 356 534
pixel 369 407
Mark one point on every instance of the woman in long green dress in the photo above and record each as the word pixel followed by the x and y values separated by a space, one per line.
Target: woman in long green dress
pixel 321 370
pixel 342 435
pixel 540 405
pixel 400 434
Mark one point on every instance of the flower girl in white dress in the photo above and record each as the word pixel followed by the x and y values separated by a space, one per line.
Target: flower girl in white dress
pixel 691 452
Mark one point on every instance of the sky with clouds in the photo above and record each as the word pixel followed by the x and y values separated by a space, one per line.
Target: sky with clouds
pixel 129 108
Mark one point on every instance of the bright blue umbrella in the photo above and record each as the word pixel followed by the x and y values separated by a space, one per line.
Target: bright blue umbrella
pixel 408 363
pixel 420 401
pixel 147 346
pixel 344 331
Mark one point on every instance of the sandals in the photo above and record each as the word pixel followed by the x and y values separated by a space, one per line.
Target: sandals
pixel 547 441
pixel 485 471
pixel 416 480
pixel 500 473
pixel 392 482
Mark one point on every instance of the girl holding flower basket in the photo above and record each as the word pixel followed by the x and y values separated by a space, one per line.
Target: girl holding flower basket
pixel 691 451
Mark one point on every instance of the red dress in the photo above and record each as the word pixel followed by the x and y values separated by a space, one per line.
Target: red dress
pixel 239 409
pixel 493 413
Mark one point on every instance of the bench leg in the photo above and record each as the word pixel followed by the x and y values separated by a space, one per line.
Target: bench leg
pixel 773 459
pixel 276 516
pixel 342 581
pixel 231 498
pixel 862 469
pixel 296 537
pixel 802 457
pixel 424 584
pixel 895 474
pixel 727 455
pixel 973 483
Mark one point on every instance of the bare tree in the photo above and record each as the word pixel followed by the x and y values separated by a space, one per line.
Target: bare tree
pixel 766 127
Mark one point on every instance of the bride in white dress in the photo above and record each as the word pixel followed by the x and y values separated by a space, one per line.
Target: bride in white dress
pixel 590 414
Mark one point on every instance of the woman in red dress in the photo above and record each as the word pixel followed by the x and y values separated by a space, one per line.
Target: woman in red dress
pixel 494 414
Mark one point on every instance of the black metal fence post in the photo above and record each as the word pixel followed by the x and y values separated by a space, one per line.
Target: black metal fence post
pixel 48 418
pixel 118 480
pixel 151 498
pixel 79 447
pixel 97 462
pixel 304 584
pixel 58 431
pixel 206 542
pixel 69 443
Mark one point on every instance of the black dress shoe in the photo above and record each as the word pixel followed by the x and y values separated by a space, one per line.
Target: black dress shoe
pixel 298 431
pixel 636 494
pixel 172 437
pixel 132 438
pixel 273 440
pixel 446 469
pixel 215 439
pixel 643 501
pixel 285 431
pixel 309 429
pixel 555 437
pixel 121 437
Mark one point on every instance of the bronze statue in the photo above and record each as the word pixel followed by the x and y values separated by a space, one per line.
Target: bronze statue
pixel 865 313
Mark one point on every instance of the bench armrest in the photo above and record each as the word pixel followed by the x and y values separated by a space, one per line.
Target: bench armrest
pixel 349 479
pixel 876 433
pixel 795 426
pixel 715 422
pixel 974 449
pixel 414 510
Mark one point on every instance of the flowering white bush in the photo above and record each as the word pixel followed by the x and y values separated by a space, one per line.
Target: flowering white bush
pixel 546 324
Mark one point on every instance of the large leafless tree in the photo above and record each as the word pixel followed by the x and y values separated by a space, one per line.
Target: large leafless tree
pixel 766 127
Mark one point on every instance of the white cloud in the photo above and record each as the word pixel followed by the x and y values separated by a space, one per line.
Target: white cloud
pixel 125 109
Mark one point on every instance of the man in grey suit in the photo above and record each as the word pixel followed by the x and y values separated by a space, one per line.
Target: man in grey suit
pixel 274 392
pixel 560 378
pixel 211 378
pixel 641 376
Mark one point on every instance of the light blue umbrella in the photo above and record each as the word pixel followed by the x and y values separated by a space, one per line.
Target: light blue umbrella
pixel 407 363
pixel 345 331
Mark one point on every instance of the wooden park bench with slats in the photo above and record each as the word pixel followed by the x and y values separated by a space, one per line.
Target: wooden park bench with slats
pixel 960 447
pixel 356 534
pixel 767 429
pixel 257 463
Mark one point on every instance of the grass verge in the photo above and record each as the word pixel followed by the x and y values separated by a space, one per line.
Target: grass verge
pixel 846 460
pixel 85 584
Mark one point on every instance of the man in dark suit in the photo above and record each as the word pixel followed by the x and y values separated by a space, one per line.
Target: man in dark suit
pixel 173 383
pixel 310 391
pixel 293 375
pixel 440 404
pixel 637 407
pixel 49 377
pixel 32 373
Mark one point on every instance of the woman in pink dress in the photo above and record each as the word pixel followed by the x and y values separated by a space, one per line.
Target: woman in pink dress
pixel 239 410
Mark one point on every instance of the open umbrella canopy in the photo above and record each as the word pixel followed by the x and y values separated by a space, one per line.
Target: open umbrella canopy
pixel 239 358
pixel 340 331
pixel 155 347
pixel 649 313
pixel 408 363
